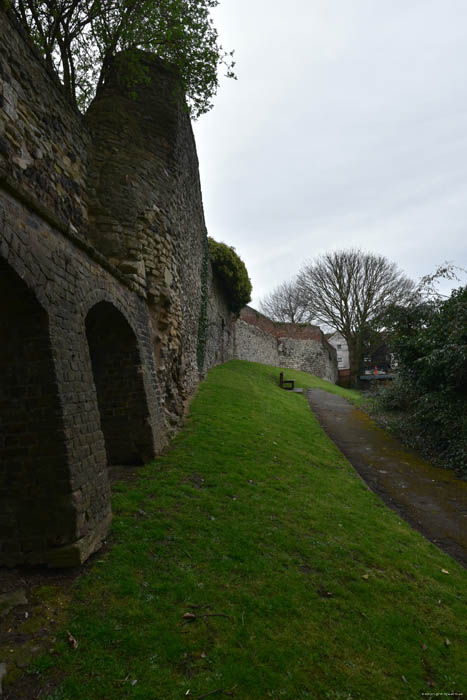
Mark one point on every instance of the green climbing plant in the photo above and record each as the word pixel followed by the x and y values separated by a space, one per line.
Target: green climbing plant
pixel 203 313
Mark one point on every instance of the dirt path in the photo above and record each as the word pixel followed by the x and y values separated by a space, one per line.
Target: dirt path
pixel 432 500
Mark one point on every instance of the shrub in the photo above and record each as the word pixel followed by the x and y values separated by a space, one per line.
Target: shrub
pixel 231 273
pixel 428 402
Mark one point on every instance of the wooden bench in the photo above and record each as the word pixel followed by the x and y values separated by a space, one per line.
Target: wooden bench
pixel 287 384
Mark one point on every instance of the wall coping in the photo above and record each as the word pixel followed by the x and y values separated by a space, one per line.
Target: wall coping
pixel 281 330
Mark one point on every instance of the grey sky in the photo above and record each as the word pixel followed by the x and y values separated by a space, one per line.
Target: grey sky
pixel 346 127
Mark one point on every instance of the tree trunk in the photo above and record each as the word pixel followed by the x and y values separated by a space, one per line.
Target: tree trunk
pixel 354 344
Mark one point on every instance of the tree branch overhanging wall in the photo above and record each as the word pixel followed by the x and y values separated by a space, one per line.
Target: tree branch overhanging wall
pixel 77 39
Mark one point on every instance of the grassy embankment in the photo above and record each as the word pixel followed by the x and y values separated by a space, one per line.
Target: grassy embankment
pixel 300 582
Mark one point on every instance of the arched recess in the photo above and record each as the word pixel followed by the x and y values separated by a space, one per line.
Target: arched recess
pixel 121 396
pixel 35 501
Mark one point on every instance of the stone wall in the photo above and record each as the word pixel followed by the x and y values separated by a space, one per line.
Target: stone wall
pixel 309 356
pixel 288 345
pixel 219 325
pixel 254 344
pixel 105 279
pixel 146 213
pixel 44 142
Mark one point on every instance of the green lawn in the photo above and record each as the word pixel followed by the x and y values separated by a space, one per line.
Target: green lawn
pixel 301 583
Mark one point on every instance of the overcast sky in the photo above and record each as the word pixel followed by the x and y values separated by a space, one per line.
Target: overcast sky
pixel 347 127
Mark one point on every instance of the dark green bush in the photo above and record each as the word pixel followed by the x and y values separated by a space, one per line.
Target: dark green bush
pixel 431 344
pixel 432 423
pixel 231 273
pixel 427 405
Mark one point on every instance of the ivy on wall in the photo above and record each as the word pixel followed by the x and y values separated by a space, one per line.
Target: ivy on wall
pixel 203 313
pixel 232 275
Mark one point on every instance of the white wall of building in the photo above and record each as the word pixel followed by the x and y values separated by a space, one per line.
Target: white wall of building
pixel 339 342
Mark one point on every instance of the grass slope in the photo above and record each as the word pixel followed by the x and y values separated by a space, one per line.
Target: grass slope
pixel 301 583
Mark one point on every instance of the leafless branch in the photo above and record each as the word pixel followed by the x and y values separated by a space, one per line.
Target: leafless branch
pixel 349 290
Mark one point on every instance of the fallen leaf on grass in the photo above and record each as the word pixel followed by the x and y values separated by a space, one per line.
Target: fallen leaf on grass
pixel 323 593
pixel 72 641
pixel 444 571
pixel 189 617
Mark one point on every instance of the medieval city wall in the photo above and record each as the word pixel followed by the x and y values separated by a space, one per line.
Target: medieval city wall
pixel 69 329
pixel 146 214
pixel 44 143
pixel 288 345
pixel 110 312
pixel 220 325
pixel 106 283
pixel 254 344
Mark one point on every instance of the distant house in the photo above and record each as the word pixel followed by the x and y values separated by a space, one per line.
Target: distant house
pixel 378 357
pixel 338 342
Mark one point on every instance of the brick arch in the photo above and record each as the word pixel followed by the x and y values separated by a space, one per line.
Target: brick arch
pixel 34 478
pixel 118 377
pixel 103 294
pixel 37 283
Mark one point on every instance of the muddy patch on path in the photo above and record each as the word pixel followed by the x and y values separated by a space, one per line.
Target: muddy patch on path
pixel 432 500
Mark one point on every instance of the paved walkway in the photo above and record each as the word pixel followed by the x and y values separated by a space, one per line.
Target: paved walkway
pixel 432 500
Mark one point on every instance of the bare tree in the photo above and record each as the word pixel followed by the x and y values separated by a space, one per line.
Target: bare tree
pixel 350 290
pixel 285 303
pixel 428 285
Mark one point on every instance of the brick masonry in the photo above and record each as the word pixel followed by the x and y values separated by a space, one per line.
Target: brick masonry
pixel 61 483
pixel 102 252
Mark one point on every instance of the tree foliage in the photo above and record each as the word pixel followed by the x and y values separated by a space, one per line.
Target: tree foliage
pixel 78 38
pixel 286 303
pixel 429 335
pixel 232 274
pixel 349 290
pixel 429 338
